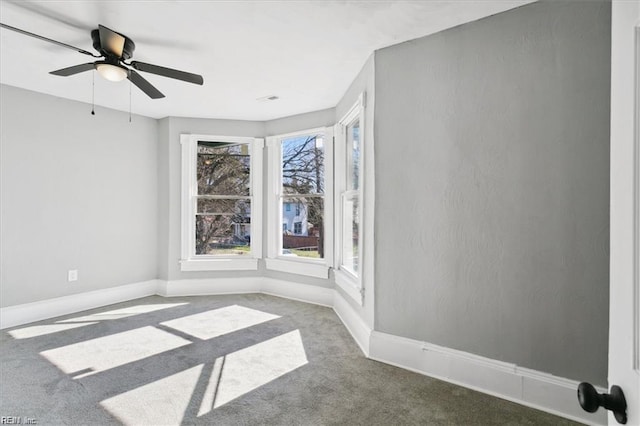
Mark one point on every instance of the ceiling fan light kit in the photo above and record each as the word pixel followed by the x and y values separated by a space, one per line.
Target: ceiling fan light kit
pixel 115 49
pixel 112 72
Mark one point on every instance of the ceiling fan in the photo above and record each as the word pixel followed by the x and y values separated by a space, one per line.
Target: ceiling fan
pixel 114 49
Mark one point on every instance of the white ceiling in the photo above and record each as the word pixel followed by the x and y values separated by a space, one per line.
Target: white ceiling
pixel 305 52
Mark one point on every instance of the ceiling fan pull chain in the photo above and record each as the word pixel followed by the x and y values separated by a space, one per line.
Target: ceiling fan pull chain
pixel 129 101
pixel 93 93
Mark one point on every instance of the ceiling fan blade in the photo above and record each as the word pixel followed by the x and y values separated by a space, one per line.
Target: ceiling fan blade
pixel 111 41
pixel 144 85
pixel 76 69
pixel 41 9
pixel 39 37
pixel 168 72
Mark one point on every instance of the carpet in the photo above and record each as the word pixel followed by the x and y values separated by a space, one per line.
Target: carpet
pixel 249 359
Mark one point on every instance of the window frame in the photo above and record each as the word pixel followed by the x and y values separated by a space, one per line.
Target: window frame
pixel 275 260
pixel 351 283
pixel 189 261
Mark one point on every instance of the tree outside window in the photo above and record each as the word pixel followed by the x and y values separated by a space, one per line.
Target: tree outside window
pixel 303 184
pixel 223 213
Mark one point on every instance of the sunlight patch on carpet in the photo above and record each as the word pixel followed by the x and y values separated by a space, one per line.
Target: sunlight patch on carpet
pixel 123 312
pixel 163 402
pixel 218 322
pixel 247 369
pixel 91 356
pixel 41 330
pixel 209 386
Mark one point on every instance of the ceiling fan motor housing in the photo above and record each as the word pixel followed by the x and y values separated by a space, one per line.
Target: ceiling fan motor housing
pixel 127 50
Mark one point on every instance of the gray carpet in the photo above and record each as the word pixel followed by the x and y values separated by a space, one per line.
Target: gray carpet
pixel 223 360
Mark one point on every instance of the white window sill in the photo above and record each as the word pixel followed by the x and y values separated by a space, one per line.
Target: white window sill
pixel 222 264
pixel 300 267
pixel 350 285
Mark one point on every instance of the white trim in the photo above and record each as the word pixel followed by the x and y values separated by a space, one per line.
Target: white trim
pixel 219 264
pixel 313 294
pixel 189 261
pixel 298 266
pixel 219 286
pixel 354 323
pixel 210 286
pixel 15 315
pixel 528 387
pixel 352 287
pixel 273 211
pixel 309 267
pixel 349 284
pixel 329 147
pixel 257 208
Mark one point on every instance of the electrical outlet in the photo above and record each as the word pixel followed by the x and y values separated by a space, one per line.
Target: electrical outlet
pixel 72 275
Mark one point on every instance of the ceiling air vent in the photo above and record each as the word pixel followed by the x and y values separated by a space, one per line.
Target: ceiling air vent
pixel 268 98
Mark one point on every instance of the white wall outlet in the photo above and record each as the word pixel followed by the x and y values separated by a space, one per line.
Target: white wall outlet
pixel 72 275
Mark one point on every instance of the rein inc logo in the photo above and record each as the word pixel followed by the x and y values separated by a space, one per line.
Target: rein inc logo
pixel 18 420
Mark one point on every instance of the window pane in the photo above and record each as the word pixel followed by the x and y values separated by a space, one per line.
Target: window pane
pixel 223 227
pixel 303 165
pixel 223 206
pixel 303 227
pixel 351 233
pixel 223 168
pixel 353 155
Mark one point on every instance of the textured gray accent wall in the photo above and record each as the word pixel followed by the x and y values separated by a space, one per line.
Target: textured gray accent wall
pixel 492 188
pixel 77 192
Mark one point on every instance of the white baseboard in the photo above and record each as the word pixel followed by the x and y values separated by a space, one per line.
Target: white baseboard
pixel 214 286
pixel 359 330
pixel 302 292
pixel 210 286
pixel 542 391
pixel 15 315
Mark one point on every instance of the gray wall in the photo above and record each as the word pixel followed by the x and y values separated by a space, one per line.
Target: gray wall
pixel 492 188
pixel 77 192
pixel 294 123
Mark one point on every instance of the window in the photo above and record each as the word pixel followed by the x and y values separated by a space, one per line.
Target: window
pixel 221 205
pixel 349 182
pixel 350 200
pixel 301 171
